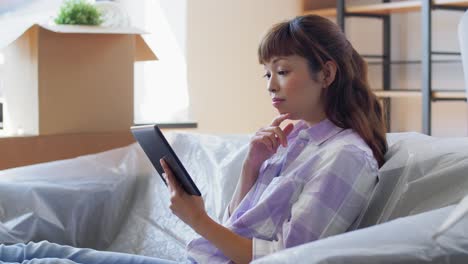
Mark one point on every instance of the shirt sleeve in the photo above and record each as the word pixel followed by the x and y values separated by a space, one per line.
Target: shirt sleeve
pixel 330 201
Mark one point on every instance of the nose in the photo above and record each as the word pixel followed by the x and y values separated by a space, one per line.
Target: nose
pixel 272 86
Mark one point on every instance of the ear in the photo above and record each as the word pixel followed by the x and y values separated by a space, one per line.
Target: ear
pixel 329 73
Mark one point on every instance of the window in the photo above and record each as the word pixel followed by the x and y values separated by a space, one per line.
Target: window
pixel 161 92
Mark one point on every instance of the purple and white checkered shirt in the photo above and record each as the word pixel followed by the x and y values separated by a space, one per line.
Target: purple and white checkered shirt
pixel 314 188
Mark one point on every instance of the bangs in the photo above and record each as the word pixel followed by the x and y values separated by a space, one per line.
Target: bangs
pixel 278 42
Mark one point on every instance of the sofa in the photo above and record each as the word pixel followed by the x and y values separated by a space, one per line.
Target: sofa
pixel 116 201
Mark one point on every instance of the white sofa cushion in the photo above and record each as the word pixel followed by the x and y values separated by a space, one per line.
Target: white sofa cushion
pixel 421 173
pixel 403 240
pixel 79 202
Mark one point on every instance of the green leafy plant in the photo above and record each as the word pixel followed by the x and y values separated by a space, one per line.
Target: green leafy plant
pixel 78 12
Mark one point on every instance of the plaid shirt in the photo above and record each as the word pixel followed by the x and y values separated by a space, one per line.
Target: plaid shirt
pixel 314 188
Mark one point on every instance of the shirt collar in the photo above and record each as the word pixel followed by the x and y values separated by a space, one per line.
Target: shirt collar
pixel 318 133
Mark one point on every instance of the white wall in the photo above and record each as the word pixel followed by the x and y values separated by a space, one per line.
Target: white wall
pixel 227 91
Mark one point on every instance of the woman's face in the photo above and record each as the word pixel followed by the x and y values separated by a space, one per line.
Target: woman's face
pixel 294 90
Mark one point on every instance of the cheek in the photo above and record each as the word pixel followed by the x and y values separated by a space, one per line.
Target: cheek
pixel 295 87
pixel 303 89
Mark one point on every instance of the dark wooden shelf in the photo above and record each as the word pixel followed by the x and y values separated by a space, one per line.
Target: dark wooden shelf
pixel 406 62
pixel 436 95
pixel 388 8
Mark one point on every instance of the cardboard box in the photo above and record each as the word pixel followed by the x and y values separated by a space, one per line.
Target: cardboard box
pixel 70 79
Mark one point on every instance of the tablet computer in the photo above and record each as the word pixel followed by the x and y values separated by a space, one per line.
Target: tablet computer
pixel 156 147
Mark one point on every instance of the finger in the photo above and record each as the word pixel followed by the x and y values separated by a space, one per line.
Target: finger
pixel 266 139
pixel 277 121
pixel 170 178
pixel 261 139
pixel 168 184
pixel 281 136
pixel 274 139
pixel 288 129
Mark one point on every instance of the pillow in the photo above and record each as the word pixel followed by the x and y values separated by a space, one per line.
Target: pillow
pixel 79 202
pixel 421 173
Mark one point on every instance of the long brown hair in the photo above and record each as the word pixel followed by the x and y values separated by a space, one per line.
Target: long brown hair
pixel 349 102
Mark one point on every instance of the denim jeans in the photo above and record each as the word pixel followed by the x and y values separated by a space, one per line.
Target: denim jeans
pixel 46 252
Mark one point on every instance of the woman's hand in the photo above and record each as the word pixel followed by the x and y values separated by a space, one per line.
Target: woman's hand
pixel 266 141
pixel 189 208
pixel 262 146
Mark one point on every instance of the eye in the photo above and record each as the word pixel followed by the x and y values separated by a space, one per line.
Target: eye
pixel 267 75
pixel 283 72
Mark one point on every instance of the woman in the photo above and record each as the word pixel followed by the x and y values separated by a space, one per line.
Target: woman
pixel 309 180
pixel 303 182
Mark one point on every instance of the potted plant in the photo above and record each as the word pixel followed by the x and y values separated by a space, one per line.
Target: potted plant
pixel 78 12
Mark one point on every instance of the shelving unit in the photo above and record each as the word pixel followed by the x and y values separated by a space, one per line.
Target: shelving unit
pixel 387 8
pixel 383 12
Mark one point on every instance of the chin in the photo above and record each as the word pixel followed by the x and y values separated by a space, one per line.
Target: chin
pixel 291 117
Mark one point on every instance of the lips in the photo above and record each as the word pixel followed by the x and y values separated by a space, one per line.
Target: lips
pixel 277 101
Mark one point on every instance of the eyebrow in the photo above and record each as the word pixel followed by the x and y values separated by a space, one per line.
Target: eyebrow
pixel 275 60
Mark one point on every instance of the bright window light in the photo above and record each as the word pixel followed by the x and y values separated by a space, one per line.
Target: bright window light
pixel 161 93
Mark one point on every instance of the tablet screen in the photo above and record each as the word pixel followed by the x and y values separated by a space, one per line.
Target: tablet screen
pixel 156 147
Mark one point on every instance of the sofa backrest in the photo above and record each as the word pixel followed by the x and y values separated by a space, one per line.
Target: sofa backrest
pixel 421 173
